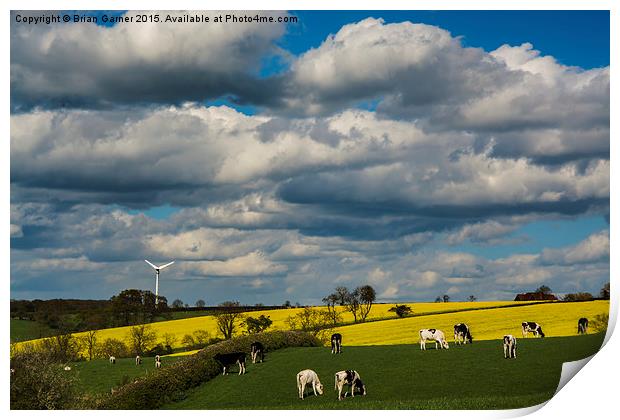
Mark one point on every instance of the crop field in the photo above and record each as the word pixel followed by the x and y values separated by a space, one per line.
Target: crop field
pixel 402 376
pixel 556 319
pixel 181 327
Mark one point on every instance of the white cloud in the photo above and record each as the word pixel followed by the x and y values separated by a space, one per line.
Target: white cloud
pixel 481 232
pixel 595 248
pixel 16 231
pixel 425 280
pixel 252 264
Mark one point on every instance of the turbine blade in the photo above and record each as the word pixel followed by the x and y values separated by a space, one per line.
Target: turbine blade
pixel 166 265
pixel 151 264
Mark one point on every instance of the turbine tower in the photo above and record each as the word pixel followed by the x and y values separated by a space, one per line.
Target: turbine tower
pixel 157 270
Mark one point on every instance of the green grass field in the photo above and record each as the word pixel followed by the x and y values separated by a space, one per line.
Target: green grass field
pixel 99 376
pixel 402 376
pixel 24 330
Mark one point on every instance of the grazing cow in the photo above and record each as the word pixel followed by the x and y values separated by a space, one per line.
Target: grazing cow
pixel 462 334
pixel 306 377
pixel 510 347
pixel 138 360
pixel 358 386
pixel 532 327
pixel 228 359
pixel 67 368
pixel 582 326
pixel 112 360
pixel 351 378
pixel 336 343
pixel 157 358
pixel 157 364
pixel 257 351
pixel 433 334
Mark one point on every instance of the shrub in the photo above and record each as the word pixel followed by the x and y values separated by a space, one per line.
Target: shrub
pixel 158 349
pixel 401 310
pixel 61 348
pixel 171 382
pixel 201 337
pixel 315 321
pixel 188 341
pixel 599 323
pixel 256 325
pixel 141 338
pixel 577 297
pixel 39 383
pixel 112 347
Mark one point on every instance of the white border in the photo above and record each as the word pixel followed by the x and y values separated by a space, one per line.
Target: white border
pixel 591 394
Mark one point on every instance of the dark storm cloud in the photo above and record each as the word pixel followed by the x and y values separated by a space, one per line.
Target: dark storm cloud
pixel 85 65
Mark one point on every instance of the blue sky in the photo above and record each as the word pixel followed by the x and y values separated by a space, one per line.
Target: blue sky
pixel 578 38
pixel 468 155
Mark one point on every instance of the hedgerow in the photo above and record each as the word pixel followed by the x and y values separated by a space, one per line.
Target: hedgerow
pixel 170 383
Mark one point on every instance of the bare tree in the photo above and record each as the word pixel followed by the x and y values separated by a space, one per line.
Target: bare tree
pixel 367 296
pixel 62 347
pixel 202 337
pixel 342 294
pixel 227 317
pixel 605 291
pixel 200 303
pixel 331 301
pixel 90 343
pixel 446 298
pixel 314 321
pixel 170 340
pixel 352 303
pixel 142 338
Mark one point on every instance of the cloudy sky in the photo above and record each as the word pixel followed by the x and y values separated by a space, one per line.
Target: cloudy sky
pixel 423 153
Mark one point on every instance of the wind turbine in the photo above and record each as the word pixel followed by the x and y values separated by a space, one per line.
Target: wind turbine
pixel 157 270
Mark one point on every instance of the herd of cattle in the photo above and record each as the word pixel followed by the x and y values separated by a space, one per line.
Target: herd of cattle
pixel 351 378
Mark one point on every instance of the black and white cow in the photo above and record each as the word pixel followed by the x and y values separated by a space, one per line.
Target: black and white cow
pixel 358 386
pixel 582 326
pixel 532 327
pixel 351 378
pixel 306 377
pixel 336 343
pixel 257 352
pixel 228 359
pixel 138 360
pixel 462 334
pixel 510 347
pixel 112 360
pixel 433 334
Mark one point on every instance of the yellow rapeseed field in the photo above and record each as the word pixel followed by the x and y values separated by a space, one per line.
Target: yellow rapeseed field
pixel 556 319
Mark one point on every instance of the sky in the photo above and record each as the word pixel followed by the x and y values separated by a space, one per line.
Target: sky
pixel 423 153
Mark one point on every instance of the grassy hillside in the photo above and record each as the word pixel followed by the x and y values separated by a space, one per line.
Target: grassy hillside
pixel 402 376
pixel 98 376
pixel 24 330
